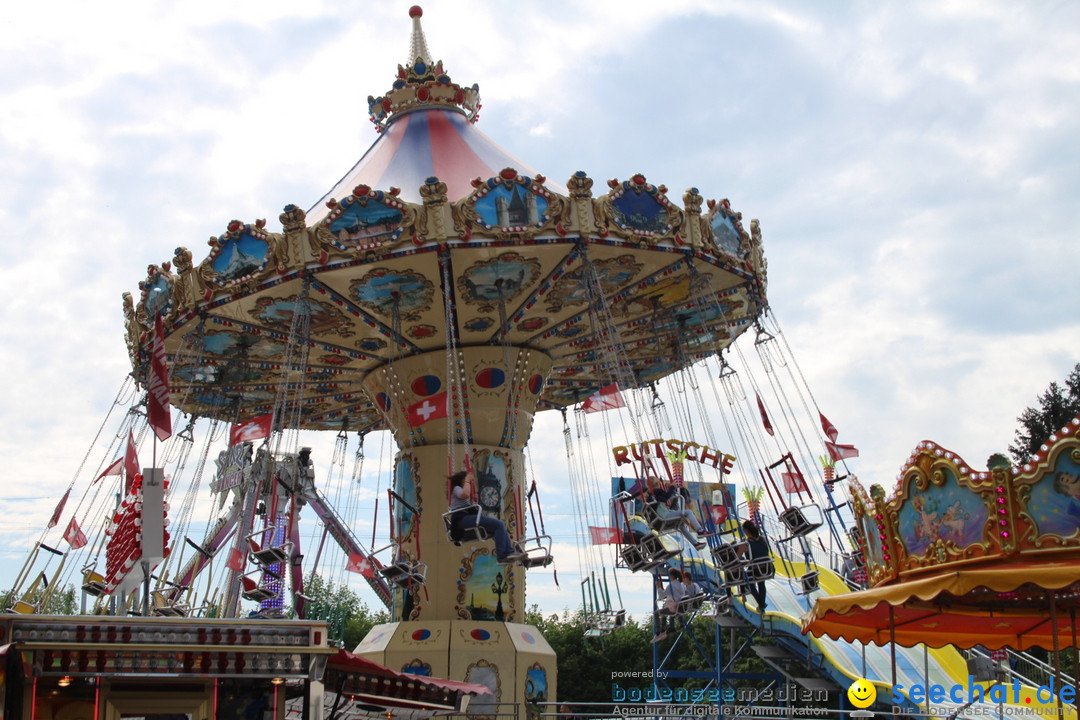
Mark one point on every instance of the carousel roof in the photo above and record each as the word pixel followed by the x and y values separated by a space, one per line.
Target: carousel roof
pixel 427 130
pixel 439 239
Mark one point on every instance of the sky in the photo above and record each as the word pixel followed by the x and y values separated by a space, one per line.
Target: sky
pixel 914 167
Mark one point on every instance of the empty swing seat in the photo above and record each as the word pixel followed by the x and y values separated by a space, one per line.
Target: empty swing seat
pixel 162 607
pixel 405 573
pixel 809 583
pixel 721 604
pixel 735 576
pixel 634 559
pixel 730 554
pixel 800 521
pixel 654 549
pixel 94 583
pixel 253 591
pixel 467 530
pixel 537 551
pixel 269 555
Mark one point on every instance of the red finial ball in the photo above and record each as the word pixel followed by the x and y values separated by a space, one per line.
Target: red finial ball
pixel 416 11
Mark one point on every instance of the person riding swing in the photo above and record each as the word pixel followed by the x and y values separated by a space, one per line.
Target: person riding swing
pixel 464 508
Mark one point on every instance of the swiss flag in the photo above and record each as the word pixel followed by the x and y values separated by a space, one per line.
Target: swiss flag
pixel 793 482
pixel 605 535
pixel 428 409
pixel 75 537
pixel 158 411
pixel 115 468
pixel 358 563
pixel 719 514
pixel 254 429
pixel 764 415
pixel 605 398
pixel 828 428
pixel 236 560
pixel 839 452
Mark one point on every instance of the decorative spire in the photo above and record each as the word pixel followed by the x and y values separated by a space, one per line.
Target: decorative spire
pixel 420 84
pixel 418 49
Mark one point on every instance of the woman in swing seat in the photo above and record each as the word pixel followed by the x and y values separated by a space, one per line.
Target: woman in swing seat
pixel 463 505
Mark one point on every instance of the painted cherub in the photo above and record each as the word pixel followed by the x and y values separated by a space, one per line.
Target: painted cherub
pixel 927 525
pixel 954 520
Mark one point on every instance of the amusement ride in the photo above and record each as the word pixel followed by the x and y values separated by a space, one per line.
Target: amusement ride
pixel 419 315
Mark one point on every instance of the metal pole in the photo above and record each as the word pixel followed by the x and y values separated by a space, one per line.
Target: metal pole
pixel 892 643
pixel 1057 650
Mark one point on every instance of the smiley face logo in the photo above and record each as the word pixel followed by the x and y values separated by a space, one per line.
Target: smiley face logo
pixel 862 693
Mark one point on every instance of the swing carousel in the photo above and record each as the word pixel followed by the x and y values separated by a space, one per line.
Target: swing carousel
pixel 444 292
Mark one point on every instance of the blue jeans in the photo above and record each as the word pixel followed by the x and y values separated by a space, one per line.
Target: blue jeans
pixel 496 530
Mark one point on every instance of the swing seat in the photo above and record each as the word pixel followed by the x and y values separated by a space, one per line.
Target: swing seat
pixel 690 604
pixel 730 554
pixel 537 551
pixel 654 549
pixel 94 583
pixel 464 531
pixel 405 573
pixel 21 607
pixel 721 605
pixel 800 521
pixel 634 559
pixel 760 570
pixel 253 591
pixel 657 516
pixel 809 583
pixel 271 554
pixel 162 607
pixel 735 577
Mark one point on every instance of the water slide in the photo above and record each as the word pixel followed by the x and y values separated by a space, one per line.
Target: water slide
pixel 843 662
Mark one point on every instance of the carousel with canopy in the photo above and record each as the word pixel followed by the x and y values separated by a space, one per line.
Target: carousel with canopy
pixel 446 292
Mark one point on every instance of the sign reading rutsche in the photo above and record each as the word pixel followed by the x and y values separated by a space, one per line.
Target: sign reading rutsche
pixel 660 448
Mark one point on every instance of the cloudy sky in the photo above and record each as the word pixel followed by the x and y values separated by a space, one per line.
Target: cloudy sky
pixel 915 167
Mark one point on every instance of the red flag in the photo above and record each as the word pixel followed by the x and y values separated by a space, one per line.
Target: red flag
pixel 360 564
pixel 59 509
pixel 428 409
pixel 254 429
pixel 764 415
pixel 719 514
pixel 793 482
pixel 605 398
pixel 157 401
pixel 605 535
pixel 839 452
pixel 828 428
pixel 76 538
pixel 115 468
pixel 236 560
pixel 131 463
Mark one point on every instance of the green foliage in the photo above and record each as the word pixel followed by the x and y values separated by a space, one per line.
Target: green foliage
pixel 347 616
pixel 1057 406
pixel 47 601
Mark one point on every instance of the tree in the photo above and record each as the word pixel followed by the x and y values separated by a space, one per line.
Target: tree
pixel 1057 406
pixel 348 618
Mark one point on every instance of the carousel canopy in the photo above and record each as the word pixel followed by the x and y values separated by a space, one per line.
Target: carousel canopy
pixel 439 240
pixel 959 557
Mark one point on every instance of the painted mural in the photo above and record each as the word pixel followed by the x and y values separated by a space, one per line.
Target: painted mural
pixel 949 512
pixel 511 205
pixel 1054 506
pixel 504 277
pixel 405 486
pixel 536 688
pixel 385 291
pixel 484 673
pixel 483 592
pixel 640 212
pixel 158 296
pixel 230 344
pixel 325 319
pixel 240 257
pixel 364 224
pixel 726 234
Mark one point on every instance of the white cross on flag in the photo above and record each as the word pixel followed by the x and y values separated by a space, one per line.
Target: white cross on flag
pixel 254 429
pixel 76 537
pixel 841 452
pixel 605 535
pixel 360 564
pixel 428 409
pixel 605 398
